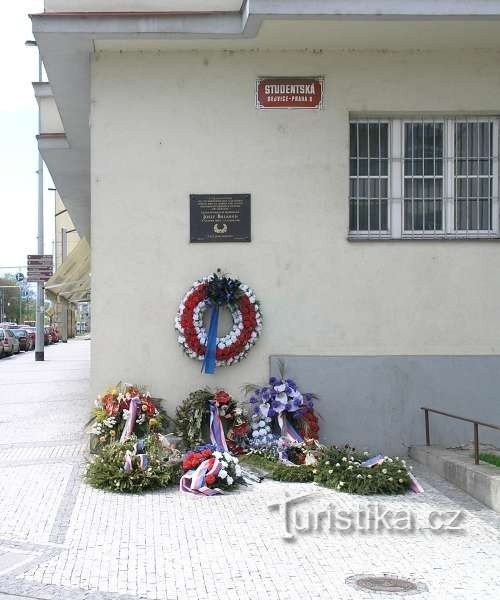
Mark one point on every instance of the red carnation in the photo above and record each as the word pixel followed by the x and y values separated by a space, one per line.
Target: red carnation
pixel 210 479
pixel 222 397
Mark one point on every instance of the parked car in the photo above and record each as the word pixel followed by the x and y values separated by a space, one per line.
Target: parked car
pixel 10 344
pixel 5 345
pixel 24 339
pixel 16 348
pixel 54 332
pixel 32 334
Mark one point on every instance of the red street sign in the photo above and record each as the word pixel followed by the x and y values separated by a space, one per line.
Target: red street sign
pixel 289 92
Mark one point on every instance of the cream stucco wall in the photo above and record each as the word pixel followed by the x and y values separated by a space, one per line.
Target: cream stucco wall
pixel 164 125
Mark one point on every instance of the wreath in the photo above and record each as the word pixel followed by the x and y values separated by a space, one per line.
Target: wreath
pixel 214 292
pixel 193 419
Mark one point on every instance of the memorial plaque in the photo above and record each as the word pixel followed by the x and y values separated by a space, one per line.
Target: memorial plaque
pixel 220 218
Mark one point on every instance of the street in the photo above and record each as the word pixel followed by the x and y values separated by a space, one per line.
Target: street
pixel 59 538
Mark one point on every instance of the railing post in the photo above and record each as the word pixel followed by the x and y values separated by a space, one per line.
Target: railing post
pixel 476 443
pixel 427 430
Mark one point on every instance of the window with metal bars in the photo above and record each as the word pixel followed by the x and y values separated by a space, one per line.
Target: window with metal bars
pixel 424 178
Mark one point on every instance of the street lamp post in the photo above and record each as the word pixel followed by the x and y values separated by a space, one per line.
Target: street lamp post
pixel 40 295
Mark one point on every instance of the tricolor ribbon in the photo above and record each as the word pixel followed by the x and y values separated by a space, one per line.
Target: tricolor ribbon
pixel 288 432
pixel 217 436
pixel 129 424
pixel 194 481
pixel 137 451
pixel 414 484
pixel 373 461
pixel 210 360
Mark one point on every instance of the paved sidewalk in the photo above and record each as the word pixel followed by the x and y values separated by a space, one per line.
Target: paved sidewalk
pixel 60 538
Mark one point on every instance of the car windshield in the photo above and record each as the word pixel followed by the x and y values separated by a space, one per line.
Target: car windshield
pixel 20 333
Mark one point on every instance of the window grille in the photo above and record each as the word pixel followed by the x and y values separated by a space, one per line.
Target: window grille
pixel 424 178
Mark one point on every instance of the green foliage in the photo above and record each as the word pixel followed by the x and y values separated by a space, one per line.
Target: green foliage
pixel 189 417
pixel 276 470
pixel 492 459
pixel 105 471
pixel 340 468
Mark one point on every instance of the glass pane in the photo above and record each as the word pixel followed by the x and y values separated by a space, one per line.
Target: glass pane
pixel 363 215
pixel 363 139
pixel 353 144
pixel 374 139
pixel 353 225
pixel 363 166
pixel 353 167
pixel 384 140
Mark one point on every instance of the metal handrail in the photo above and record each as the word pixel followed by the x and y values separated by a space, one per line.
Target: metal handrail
pixel 475 422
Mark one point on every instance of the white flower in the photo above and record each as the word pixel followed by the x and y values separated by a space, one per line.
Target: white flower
pixel 389 460
pixel 327 462
pixel 229 480
pixel 315 471
pixel 369 476
pixel 337 464
pixel 391 479
pixel 218 454
pixel 349 468
pixel 341 483
pixel 344 459
pixel 223 464
pixel 358 476
pixel 330 471
pixel 400 481
pixel 125 413
pixel 227 456
pixel 238 471
pixel 222 474
pixel 384 471
pixel 235 460
pixel 365 453
pixel 262 424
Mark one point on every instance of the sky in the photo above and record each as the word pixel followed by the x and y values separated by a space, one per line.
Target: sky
pixel 18 150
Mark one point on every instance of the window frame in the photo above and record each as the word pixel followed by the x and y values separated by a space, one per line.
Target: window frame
pixel 396 179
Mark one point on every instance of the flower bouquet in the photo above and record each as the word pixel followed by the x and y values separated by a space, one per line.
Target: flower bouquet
pixel 122 410
pixel 281 407
pixel 208 471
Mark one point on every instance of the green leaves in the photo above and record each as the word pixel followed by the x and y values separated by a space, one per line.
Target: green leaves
pixel 340 468
pixel 105 471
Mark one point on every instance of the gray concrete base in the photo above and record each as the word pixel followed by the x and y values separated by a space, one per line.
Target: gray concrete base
pixel 457 466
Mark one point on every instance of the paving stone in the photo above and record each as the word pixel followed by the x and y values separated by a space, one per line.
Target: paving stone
pixel 61 539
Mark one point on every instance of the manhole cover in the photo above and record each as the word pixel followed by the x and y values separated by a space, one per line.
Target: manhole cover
pixel 386 583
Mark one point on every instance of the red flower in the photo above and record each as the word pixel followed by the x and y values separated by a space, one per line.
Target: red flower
pixel 210 479
pixel 222 397
pixel 206 453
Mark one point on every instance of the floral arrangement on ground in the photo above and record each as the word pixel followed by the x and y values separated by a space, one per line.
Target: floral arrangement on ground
pixel 122 409
pixel 347 470
pixel 207 470
pixel 134 466
pixel 193 416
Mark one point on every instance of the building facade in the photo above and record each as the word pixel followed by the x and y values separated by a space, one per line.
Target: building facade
pixel 374 219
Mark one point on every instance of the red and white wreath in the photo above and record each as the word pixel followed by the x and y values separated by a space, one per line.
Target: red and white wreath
pixel 239 299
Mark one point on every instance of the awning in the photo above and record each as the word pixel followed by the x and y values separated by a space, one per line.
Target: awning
pixel 71 281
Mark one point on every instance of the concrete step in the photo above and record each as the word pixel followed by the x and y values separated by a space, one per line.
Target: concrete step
pixel 457 466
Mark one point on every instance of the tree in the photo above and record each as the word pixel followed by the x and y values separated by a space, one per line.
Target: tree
pixel 14 307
